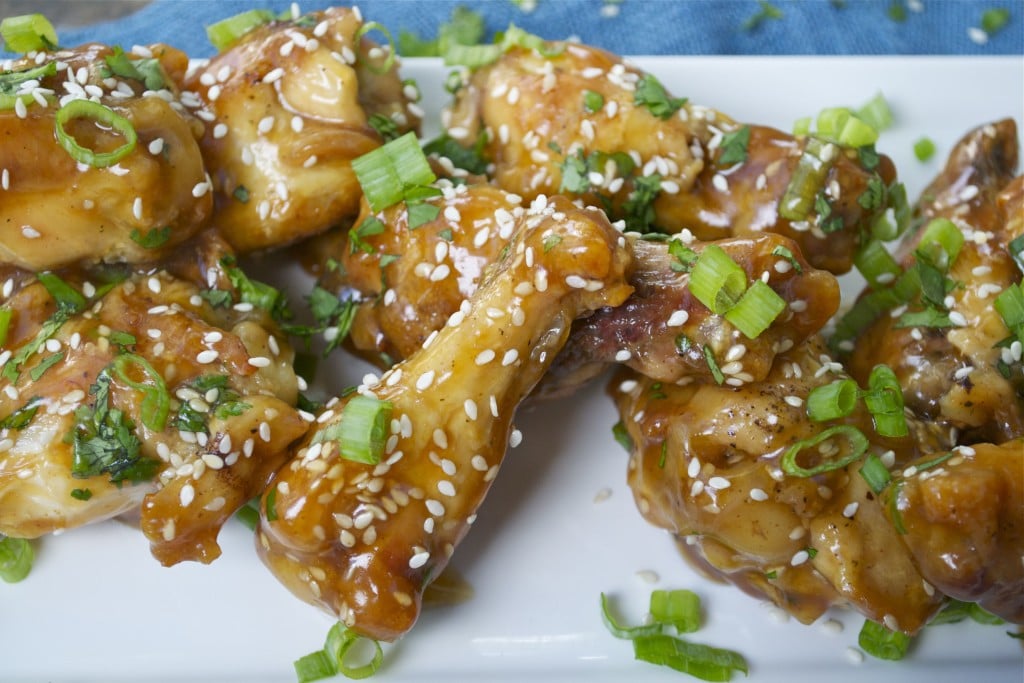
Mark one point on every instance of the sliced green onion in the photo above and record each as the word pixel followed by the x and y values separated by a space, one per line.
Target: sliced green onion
pixel 924 149
pixel 21 417
pixel 104 116
pixel 884 399
pixel 940 243
pixel 592 101
pixel 387 173
pixel 331 660
pixel 677 608
pixel 249 514
pixel 806 181
pixel 389 61
pixel 802 126
pixel 831 120
pixel 880 642
pixel 1010 306
pixel 360 430
pixel 701 661
pixel 471 56
pixel 624 632
pixel 857 441
pixel 716 280
pixel 27 33
pixel 832 401
pixel 875 473
pixel 856 133
pixel 876 264
pixel 894 220
pixel 66 296
pixel 759 306
pixel 16 558
pixel 937 460
pixel 876 113
pixel 156 401
pixel 10 83
pixel 44 365
pixel 5 324
pixel 227 32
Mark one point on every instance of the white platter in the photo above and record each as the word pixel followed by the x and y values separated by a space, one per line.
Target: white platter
pixel 97 608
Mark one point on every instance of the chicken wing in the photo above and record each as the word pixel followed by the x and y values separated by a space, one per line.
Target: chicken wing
pixel 139 394
pixel 362 540
pixel 949 371
pixel 291 105
pixel 708 464
pixel 136 185
pixel 961 519
pixel 580 121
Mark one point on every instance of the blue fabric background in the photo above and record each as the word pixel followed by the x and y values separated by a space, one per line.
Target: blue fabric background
pixel 640 26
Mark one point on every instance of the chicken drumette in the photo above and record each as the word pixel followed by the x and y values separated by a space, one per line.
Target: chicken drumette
pixel 290 105
pixel 361 540
pixel 99 158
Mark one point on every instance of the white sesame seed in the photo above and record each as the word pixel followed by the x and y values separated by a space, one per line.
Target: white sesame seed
pixel 515 438
pixel 794 401
pixel 850 510
pixel 30 233
pixel 510 357
pixel 419 559
pixel 265 125
pixel 424 381
pixel 799 558
pixel 259 362
pixel 758 495
pixel 854 656
pixel 485 357
pixel 206 357
pixel 446 488
pixel 575 281
pixel 677 319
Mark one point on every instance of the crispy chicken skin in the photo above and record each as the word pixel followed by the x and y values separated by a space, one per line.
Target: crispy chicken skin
pixel 230 389
pixel 534 110
pixel 58 211
pixel 950 374
pixel 291 104
pixel 964 526
pixel 362 540
pixel 706 466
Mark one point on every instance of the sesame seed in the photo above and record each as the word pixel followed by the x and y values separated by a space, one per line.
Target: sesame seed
pixel 851 509
pixel 758 495
pixel 419 559
pixel 799 558
pixel 424 381
pixel 720 182
pixel 265 125
pixel 957 318
pixel 206 357
pixel 719 483
pixel 623 355
pixel 485 357
pixel 510 357
pixel 854 656
pixel 575 281
pixel 186 495
pixel 693 468
pixel 446 488
pixel 677 319
pixel 794 401
pixel 515 438
pixel 30 233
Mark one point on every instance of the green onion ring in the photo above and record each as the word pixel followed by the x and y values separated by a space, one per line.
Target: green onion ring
pixel 101 115
pixel 858 445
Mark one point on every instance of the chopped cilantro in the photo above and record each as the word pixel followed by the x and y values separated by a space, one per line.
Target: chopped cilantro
pixel 81 494
pixel 44 365
pixel 734 146
pixel 639 206
pixel 471 159
pixel 622 436
pixel 226 403
pixel 827 221
pixel 370 226
pixel 716 372
pixel 157 237
pixel 651 93
pixel 683 256
pixel 420 213
pixel 993 20
pixel 788 255
pixel 146 71
pixel 104 441
pixel 551 241
pixel 897 11
pixel 241 194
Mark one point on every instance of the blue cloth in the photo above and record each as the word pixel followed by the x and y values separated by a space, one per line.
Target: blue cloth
pixel 656 27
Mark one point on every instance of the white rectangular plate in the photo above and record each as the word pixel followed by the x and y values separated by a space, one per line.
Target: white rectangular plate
pixel 97 608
